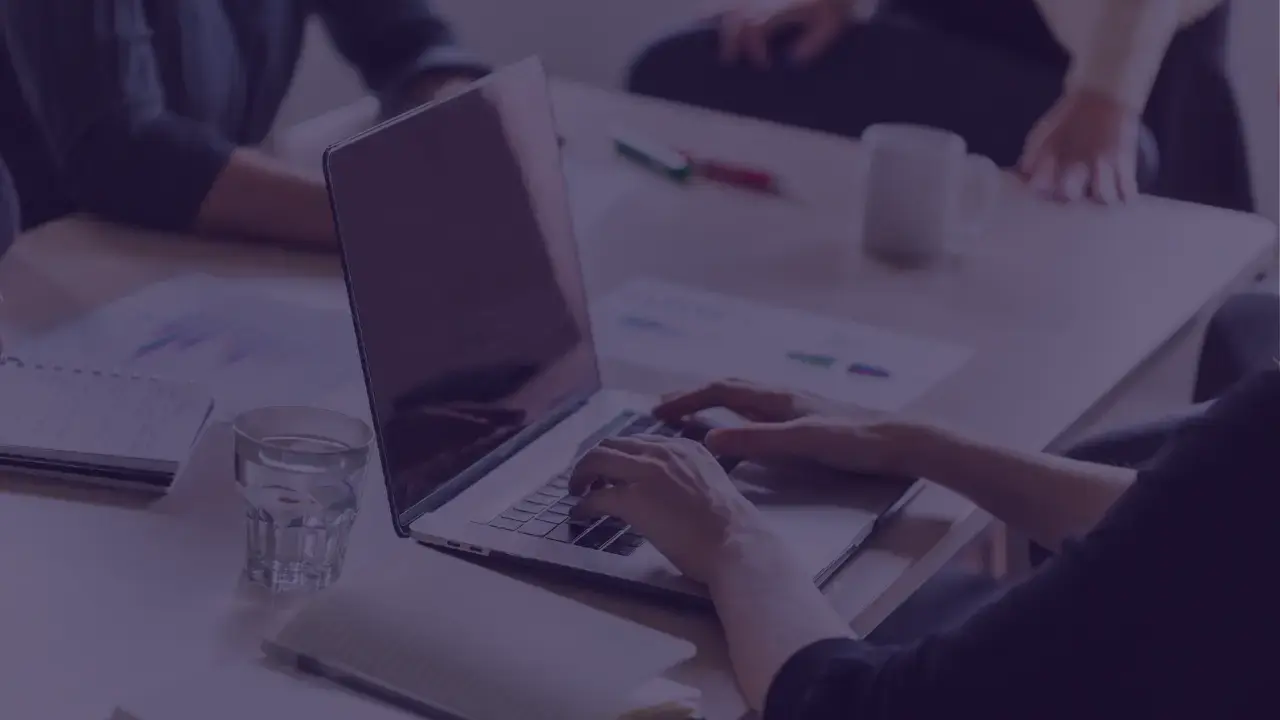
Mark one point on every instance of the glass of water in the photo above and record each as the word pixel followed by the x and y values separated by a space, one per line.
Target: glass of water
pixel 300 471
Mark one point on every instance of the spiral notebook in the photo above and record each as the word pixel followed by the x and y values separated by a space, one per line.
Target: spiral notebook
pixel 92 426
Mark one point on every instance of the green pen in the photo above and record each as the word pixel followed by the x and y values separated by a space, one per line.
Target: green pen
pixel 655 157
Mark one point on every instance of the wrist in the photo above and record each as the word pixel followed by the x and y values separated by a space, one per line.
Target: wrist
pixel 921 450
pixel 1088 93
pixel 747 549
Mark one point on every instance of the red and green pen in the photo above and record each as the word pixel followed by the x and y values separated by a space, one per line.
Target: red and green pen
pixel 680 166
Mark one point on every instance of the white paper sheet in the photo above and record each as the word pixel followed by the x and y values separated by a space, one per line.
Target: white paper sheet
pixel 594 189
pixel 710 335
pixel 247 348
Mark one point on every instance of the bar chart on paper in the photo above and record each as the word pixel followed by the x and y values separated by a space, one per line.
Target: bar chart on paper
pixel 711 335
pixel 249 349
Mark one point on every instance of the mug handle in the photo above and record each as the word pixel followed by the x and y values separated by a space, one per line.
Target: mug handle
pixel 983 183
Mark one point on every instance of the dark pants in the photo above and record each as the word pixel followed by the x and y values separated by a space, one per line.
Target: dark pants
pixel 1243 338
pixel 984 69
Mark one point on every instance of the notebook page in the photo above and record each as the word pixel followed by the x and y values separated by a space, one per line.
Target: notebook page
pixel 480 645
pixel 82 415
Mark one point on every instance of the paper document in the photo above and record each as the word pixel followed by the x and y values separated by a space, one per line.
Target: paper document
pixel 248 348
pixel 594 189
pixel 709 335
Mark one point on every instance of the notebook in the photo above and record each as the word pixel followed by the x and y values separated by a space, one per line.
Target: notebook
pixel 97 427
pixel 448 639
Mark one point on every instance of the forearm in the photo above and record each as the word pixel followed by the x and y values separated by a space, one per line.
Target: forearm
pixel 258 197
pixel 395 43
pixel 1123 54
pixel 1046 497
pixel 770 610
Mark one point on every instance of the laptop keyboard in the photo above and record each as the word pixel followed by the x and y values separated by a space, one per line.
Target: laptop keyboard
pixel 545 513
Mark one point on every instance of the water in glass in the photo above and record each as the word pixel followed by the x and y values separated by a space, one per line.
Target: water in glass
pixel 301 497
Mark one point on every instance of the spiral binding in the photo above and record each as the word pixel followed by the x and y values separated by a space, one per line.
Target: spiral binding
pixel 11 361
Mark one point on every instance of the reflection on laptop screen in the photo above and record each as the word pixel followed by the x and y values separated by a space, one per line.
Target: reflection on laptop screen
pixel 464 280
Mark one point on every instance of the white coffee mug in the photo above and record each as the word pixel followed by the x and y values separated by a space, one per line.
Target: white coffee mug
pixel 923 192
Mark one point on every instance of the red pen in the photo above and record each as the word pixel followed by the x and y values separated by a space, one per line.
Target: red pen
pixel 736 175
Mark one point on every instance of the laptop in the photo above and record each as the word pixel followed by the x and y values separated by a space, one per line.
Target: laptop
pixel 471 313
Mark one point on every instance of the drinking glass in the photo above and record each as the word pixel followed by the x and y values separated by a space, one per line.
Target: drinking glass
pixel 300 471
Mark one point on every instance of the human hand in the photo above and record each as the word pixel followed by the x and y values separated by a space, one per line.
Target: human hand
pixel 449 86
pixel 753 402
pixel 1086 145
pixel 748 25
pixel 429 87
pixel 675 494
pixel 871 447
pixel 789 426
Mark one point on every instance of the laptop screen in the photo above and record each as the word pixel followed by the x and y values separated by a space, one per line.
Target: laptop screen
pixel 464 282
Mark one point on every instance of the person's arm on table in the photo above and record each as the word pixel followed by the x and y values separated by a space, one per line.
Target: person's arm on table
pixel 1087 144
pixel 1110 627
pixel 1127 47
pixel 754 578
pixel 89 71
pixel 257 195
pixel 406 54
pixel 1047 497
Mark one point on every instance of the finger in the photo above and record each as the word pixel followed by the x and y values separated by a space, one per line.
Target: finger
pixel 1040 176
pixel 664 452
pixel 1104 186
pixel 763 441
pixel 735 395
pixel 1127 180
pixel 733 25
pixel 610 466
pixel 1072 182
pixel 815 40
pixel 1033 152
pixel 614 501
pixel 1026 166
pixel 651 446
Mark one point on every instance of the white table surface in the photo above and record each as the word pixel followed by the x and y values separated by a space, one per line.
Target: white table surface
pixel 1062 304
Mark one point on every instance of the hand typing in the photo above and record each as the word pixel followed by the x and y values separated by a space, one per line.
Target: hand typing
pixel 788 426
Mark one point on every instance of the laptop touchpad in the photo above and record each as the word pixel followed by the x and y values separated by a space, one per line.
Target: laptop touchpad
pixel 819 512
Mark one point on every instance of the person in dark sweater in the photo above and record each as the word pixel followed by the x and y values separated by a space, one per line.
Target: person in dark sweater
pixel 1156 607
pixel 10 209
pixel 148 112
pixel 9 220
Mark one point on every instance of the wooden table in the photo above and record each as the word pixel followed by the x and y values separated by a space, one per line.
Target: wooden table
pixel 1062 304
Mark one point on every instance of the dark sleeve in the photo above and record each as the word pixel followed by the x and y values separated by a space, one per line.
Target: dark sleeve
pixel 392 42
pixel 89 73
pixel 10 210
pixel 1155 605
